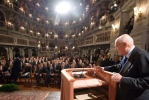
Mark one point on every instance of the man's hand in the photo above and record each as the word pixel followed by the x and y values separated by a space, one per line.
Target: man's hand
pixel 116 77
pixel 98 68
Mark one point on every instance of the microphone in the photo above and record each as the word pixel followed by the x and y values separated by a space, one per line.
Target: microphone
pixel 75 76
pixel 81 75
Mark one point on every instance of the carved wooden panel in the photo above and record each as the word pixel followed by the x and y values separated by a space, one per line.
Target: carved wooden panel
pixel 32 43
pixel 6 39
pixel 51 49
pixel 22 41
pixel 43 49
pixel 89 40
pixel 102 37
pixel 81 42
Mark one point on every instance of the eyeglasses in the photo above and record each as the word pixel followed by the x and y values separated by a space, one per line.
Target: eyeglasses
pixel 118 45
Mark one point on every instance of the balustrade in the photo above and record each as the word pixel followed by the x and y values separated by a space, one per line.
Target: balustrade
pixel 6 39
pixel 22 41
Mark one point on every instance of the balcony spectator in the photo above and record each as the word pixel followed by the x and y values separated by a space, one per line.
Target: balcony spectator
pixel 16 5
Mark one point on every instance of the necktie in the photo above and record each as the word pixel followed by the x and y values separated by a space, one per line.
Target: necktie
pixel 124 61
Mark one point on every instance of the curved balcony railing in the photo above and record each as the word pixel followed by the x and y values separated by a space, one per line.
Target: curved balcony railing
pixel 30 32
pixel 34 20
pixel 42 22
pixel 9 27
pixel 6 40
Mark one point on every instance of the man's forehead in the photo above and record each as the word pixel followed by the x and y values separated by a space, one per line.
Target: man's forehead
pixel 117 41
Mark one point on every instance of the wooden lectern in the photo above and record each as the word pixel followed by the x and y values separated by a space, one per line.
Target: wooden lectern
pixel 69 82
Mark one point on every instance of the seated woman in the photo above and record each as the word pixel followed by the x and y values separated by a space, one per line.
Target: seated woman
pixel 3 70
pixel 7 71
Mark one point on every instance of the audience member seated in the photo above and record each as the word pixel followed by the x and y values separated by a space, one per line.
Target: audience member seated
pixel 107 61
pixel 56 66
pixel 67 65
pixel 26 73
pixel 50 74
pixel 38 74
pixel 100 60
pixel 115 60
pixel 8 73
pixel 79 64
pixel 1 73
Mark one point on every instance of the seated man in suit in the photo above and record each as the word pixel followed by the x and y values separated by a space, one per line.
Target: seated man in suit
pixel 39 72
pixel 50 74
pixel 132 74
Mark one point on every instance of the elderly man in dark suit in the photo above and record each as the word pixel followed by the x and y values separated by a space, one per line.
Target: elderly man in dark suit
pixel 132 74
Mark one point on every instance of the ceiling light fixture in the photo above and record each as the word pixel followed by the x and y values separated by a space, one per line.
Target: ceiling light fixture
pixel 63 8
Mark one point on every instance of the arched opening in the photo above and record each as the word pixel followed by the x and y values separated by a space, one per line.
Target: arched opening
pixel 16 5
pixel 1 1
pixel 2 19
pixel 89 51
pixel 26 53
pixel 3 53
pixel 16 23
pixel 16 52
pixel 97 51
pixel 34 53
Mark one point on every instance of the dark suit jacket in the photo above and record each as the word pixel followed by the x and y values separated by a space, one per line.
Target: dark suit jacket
pixel 56 68
pixel 40 70
pixel 106 62
pixel 16 69
pixel 50 70
pixel 134 84
pixel 67 66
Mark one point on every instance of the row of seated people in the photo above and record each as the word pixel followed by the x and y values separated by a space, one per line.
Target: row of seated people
pixel 105 60
pixel 48 72
pixel 53 69
pixel 43 70
pixel 55 66
pixel 40 68
pixel 47 67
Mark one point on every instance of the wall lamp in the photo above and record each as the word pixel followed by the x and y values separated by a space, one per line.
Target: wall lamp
pixel 137 12
pixel 47 35
pixel 22 28
pixel 115 28
pixel 47 47
pixel 38 33
pixel 55 47
pixel 66 47
pixel 39 45
pixel 55 36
